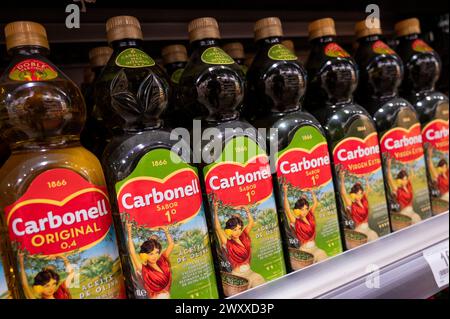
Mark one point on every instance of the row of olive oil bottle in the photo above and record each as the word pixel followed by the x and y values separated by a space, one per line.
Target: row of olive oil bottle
pixel 208 217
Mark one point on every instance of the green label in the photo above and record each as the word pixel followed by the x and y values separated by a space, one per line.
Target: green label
pixel 405 171
pixel 134 58
pixel 176 76
pixel 279 52
pixel 308 199
pixel 215 55
pixel 240 193
pixel 165 229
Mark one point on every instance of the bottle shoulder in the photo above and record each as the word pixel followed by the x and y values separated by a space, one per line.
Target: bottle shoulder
pixel 22 168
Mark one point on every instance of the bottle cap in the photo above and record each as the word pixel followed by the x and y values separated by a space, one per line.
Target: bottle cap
pixel 99 56
pixel 235 50
pixel 288 44
pixel 174 53
pixel 21 33
pixel 362 30
pixel 203 28
pixel 123 27
pixel 321 28
pixel 406 27
pixel 268 27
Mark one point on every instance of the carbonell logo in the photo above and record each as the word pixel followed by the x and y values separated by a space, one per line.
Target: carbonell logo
pixel 404 145
pixel 51 221
pixel 436 133
pixel 237 184
pixel 304 164
pixel 358 156
pixel 392 144
pixel 154 202
pixel 239 179
pixel 360 152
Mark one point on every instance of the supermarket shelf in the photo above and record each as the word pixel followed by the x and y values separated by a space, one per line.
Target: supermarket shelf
pixel 403 272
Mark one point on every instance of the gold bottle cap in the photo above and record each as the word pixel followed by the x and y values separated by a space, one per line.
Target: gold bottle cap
pixel 21 33
pixel 406 27
pixel 203 28
pixel 321 28
pixel 288 44
pixel 123 27
pixel 268 27
pixel 235 50
pixel 362 30
pixel 174 53
pixel 99 56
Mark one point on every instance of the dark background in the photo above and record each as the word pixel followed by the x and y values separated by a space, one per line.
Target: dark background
pixel 165 21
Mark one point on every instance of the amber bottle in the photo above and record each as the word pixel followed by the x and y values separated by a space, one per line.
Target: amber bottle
pixel 54 203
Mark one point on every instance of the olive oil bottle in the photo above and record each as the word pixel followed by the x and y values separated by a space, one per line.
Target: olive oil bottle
pixel 398 125
pixel 351 135
pixel 95 135
pixel 157 201
pixel 236 171
pixel 54 203
pixel 302 167
pixel 422 69
pixel 175 58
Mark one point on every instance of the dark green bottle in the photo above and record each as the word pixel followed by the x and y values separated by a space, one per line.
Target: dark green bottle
pixel 301 163
pixel 422 69
pixel 236 171
pixel 351 135
pixel 156 197
pixel 399 129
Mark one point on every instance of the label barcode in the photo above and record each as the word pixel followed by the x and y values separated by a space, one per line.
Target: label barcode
pixel 443 272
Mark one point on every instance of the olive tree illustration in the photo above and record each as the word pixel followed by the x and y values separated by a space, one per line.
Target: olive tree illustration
pixel 97 266
pixel 192 238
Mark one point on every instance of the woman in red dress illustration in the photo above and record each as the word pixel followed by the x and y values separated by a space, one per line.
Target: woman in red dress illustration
pixel 46 284
pixel 303 223
pixel 403 191
pixel 153 264
pixel 439 175
pixel 236 242
pixel 357 205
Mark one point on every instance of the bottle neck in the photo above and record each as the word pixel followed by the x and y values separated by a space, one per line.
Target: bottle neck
pixel 269 41
pixel 409 37
pixel 126 43
pixel 369 39
pixel 29 50
pixel 323 40
pixel 204 43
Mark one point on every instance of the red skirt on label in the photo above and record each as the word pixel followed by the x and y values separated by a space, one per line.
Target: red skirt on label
pixel 360 214
pixel 306 231
pixel 238 254
pixel 156 282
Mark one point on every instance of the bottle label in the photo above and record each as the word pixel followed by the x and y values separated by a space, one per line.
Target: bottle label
pixel 215 55
pixel 176 76
pixel 421 46
pixel 245 222
pixel 61 231
pixel 134 58
pixel 360 184
pixel 279 52
pixel 334 50
pixel 436 143
pixel 308 199
pixel 32 70
pixel 379 47
pixel 165 231
pixel 405 171
pixel 4 293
